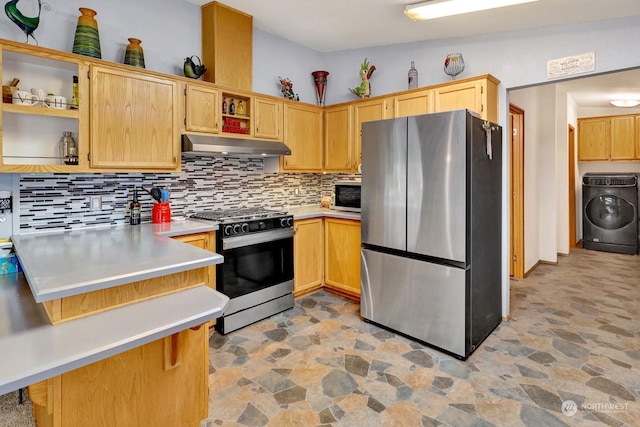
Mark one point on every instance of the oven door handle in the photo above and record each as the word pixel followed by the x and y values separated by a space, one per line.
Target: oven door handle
pixel 256 238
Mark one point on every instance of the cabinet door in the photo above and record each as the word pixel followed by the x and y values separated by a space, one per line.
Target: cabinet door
pixel 458 96
pixel 637 137
pixel 623 137
pixel 308 244
pixel 202 109
pixel 338 139
pixel 268 118
pixel 593 138
pixel 134 121
pixel 205 241
pixel 412 104
pixel 367 111
pixel 303 134
pixel 227 46
pixel 342 256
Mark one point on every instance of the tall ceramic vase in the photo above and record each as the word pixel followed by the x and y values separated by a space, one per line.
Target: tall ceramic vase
pixel 134 54
pixel 320 80
pixel 87 39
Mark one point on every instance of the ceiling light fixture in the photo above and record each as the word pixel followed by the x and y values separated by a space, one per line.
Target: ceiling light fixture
pixel 439 8
pixel 625 102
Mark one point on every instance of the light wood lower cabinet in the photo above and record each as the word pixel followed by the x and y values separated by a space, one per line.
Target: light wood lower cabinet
pixel 205 241
pixel 171 370
pixel 308 250
pixel 342 256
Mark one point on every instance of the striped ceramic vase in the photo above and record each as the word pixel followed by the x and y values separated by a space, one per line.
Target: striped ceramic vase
pixel 87 39
pixel 134 54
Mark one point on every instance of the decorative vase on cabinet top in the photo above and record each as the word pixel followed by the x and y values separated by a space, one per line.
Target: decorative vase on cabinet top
pixel 87 38
pixel 134 54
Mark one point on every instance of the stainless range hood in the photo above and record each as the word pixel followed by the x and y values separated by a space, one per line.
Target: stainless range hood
pixel 219 146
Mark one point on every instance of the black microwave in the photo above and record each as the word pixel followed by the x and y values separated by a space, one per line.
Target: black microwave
pixel 347 196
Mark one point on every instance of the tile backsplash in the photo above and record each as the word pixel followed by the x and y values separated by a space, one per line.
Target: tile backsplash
pixel 62 201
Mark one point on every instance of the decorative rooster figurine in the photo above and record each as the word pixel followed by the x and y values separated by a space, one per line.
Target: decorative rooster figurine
pixel 366 71
pixel 27 25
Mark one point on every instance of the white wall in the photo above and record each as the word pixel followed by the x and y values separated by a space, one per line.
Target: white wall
pixel 170 31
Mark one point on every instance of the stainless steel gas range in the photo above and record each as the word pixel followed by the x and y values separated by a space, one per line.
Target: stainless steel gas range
pixel 257 272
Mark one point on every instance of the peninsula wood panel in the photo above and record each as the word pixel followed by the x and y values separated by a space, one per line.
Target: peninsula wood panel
pixel 206 241
pixel 134 382
pixel 71 307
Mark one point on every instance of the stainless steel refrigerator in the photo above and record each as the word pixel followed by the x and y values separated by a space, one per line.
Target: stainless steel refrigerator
pixel 431 228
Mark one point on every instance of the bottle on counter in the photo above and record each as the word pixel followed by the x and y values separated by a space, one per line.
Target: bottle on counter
pixel 232 107
pixel 134 218
pixel 413 76
pixel 74 94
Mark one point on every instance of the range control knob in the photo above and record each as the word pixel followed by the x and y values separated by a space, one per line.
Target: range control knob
pixel 236 228
pixel 283 222
pixel 289 222
pixel 262 225
pixel 228 230
pixel 244 227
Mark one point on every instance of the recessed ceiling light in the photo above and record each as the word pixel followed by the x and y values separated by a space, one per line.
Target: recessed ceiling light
pixel 439 8
pixel 625 102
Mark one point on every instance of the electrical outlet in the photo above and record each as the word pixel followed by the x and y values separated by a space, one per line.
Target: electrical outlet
pixel 96 203
pixel 296 191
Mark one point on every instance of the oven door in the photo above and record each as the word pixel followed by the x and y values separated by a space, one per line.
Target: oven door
pixel 255 262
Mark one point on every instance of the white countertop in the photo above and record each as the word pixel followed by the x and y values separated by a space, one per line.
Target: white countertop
pixel 33 349
pixel 69 263
pixel 314 211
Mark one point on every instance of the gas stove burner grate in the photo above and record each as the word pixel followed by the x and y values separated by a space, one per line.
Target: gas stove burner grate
pixel 238 214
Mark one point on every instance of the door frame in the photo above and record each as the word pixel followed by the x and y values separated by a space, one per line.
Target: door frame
pixel 571 140
pixel 516 191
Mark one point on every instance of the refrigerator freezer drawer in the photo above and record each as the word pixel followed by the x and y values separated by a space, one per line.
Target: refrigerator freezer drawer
pixel 423 300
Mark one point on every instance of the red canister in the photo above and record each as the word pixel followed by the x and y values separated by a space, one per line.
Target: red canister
pixel 160 213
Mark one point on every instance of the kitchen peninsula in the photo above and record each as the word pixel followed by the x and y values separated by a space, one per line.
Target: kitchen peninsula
pixel 110 325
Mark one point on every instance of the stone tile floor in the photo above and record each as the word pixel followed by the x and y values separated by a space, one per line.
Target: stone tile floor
pixel 574 336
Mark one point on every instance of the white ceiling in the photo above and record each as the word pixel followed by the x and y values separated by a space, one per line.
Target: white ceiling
pixel 333 25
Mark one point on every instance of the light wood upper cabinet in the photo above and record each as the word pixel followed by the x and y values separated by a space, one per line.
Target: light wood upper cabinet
pixel 308 250
pixel 339 153
pixel 227 46
pixel 268 118
pixel 342 256
pixel 201 109
pixel 303 135
pixel 593 138
pixel 367 111
pixel 412 103
pixel 478 94
pixel 609 138
pixel 623 142
pixel 637 136
pixel 134 121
